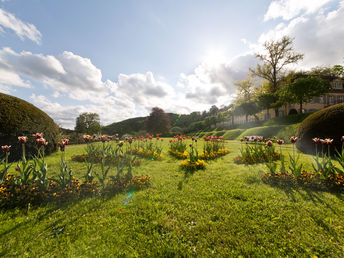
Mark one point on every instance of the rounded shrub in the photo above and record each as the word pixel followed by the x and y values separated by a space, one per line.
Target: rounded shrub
pixel 20 118
pixel 325 123
pixel 292 111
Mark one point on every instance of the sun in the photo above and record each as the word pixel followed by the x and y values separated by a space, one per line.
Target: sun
pixel 214 58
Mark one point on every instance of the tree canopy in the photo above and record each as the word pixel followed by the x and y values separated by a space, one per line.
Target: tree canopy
pixel 276 56
pixel 157 121
pixel 88 123
pixel 304 89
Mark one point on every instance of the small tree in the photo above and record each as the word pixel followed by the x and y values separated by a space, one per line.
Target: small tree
pixel 247 108
pixel 158 121
pixel 88 123
pixel 304 89
pixel 278 54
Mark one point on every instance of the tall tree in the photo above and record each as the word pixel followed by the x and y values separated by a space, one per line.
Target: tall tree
pixel 304 89
pixel 88 123
pixel 158 121
pixel 246 88
pixel 277 55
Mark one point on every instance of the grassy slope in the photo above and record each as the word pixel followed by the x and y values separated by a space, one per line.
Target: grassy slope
pixel 282 127
pixel 224 210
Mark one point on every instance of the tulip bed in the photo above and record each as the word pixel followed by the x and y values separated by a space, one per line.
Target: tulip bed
pixel 225 210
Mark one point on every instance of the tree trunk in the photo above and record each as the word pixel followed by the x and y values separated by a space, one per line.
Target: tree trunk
pixel 246 118
pixel 267 114
pixel 256 117
pixel 232 120
pixel 300 106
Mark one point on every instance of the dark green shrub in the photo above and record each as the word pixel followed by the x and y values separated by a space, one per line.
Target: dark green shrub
pixel 292 111
pixel 325 123
pixel 17 118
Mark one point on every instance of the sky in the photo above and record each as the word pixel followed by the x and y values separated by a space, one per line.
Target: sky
pixel 122 58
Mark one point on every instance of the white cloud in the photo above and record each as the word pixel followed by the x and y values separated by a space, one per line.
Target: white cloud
pixel 67 73
pixel 22 29
pixel 66 115
pixel 318 36
pixel 214 85
pixel 288 9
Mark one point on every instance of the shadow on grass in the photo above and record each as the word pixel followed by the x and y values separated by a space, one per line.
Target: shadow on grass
pixel 186 177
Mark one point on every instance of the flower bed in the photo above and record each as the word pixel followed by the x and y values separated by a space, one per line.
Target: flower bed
pixel 326 175
pixel 178 155
pixel 98 159
pixel 148 154
pixel 214 154
pixel 259 152
pixel 31 185
pixel 193 165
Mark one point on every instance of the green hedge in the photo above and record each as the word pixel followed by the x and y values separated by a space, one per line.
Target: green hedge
pixel 17 118
pixel 325 123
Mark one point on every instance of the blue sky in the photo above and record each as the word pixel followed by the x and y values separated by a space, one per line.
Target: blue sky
pixel 121 58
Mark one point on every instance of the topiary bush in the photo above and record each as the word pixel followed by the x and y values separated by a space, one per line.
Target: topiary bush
pixel 292 111
pixel 17 118
pixel 325 123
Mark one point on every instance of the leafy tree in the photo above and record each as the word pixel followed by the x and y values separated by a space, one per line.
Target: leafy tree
pixel 213 110
pixel 304 89
pixel 265 101
pixel 246 88
pixel 247 108
pixel 278 54
pixel 88 123
pixel 158 121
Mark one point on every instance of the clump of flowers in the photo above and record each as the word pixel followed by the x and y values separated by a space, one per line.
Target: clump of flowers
pixel 193 162
pixel 325 174
pixel 213 148
pixel 257 151
pixel 178 147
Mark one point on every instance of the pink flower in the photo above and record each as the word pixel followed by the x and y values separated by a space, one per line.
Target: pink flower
pixel 323 141
pixel 342 139
pixel 22 139
pixel 280 141
pixel 87 137
pixel 38 135
pixel 328 141
pixel 120 144
pixel 316 140
pixel 269 143
pixel 6 148
pixel 41 142
pixel 104 138
pixel 293 139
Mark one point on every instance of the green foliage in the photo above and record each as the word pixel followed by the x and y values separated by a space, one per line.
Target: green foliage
pixel 18 118
pixel 158 121
pixel 325 123
pixel 88 123
pixel 304 89
pixel 232 134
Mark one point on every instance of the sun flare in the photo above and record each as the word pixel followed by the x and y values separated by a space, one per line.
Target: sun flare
pixel 214 58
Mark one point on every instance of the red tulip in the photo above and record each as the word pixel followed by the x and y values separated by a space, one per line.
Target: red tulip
pixel 6 148
pixel 22 139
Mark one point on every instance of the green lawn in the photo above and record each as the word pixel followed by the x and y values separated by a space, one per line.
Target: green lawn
pixel 225 210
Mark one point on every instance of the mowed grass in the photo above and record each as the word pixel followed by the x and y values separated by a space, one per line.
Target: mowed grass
pixel 225 210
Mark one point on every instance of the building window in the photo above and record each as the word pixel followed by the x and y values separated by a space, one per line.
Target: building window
pixel 337 85
pixel 340 99
pixel 331 100
pixel 321 99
